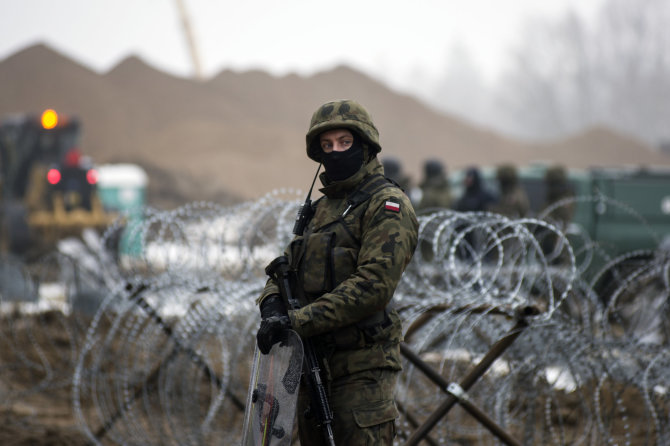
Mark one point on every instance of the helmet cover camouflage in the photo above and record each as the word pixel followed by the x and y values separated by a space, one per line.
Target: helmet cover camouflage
pixel 507 172
pixel 341 114
pixel 433 168
pixel 556 174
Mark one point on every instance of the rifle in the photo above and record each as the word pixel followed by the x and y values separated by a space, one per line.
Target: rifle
pixel 278 269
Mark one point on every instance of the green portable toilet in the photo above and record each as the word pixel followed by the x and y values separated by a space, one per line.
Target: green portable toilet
pixel 122 189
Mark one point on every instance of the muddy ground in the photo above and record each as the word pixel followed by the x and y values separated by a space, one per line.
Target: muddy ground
pixel 39 354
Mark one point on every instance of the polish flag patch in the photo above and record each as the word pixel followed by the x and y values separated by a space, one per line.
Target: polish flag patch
pixel 391 206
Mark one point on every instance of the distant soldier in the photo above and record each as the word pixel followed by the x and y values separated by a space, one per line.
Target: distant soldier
pixel 558 188
pixel 475 195
pixel 559 214
pixel 435 190
pixel 393 171
pixel 435 194
pixel 513 201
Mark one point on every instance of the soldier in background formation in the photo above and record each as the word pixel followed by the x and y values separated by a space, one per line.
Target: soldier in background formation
pixel 476 197
pixel 435 193
pixel 435 189
pixel 557 188
pixel 513 201
pixel 393 171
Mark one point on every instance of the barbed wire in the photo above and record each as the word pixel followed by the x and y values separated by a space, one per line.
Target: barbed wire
pixel 153 339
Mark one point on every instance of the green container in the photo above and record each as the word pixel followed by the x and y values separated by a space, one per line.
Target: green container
pixel 122 189
pixel 644 220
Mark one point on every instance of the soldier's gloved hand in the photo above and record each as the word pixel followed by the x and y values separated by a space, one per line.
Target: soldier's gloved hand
pixel 274 320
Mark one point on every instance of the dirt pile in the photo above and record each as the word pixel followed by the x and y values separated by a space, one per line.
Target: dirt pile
pixel 239 135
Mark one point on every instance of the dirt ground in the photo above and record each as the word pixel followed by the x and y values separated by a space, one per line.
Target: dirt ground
pixel 36 405
pixel 38 357
pixel 38 354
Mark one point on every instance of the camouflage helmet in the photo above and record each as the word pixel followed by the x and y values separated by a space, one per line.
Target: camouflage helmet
pixel 507 172
pixel 341 114
pixel 433 168
pixel 392 167
pixel 556 174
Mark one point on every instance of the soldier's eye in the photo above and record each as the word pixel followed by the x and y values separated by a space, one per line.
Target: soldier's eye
pixel 325 145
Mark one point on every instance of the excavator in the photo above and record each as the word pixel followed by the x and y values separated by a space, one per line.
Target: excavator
pixel 48 189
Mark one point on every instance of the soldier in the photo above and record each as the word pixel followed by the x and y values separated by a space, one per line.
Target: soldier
pixel 347 265
pixel 558 188
pixel 393 171
pixel 556 212
pixel 476 197
pixel 435 190
pixel 513 201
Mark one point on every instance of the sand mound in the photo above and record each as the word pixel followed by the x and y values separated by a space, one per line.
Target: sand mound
pixel 239 135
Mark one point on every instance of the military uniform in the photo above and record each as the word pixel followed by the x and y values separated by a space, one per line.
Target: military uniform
pixel 513 201
pixel 476 197
pixel 393 171
pixel 557 188
pixel 435 189
pixel 347 265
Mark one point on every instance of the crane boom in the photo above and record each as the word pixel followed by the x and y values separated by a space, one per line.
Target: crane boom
pixel 190 39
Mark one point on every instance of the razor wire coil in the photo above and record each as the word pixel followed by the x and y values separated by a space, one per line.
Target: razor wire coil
pixel 161 358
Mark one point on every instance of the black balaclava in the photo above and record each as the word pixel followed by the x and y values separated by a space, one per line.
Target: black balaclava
pixel 341 165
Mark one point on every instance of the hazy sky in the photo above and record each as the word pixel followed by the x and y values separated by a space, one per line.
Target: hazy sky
pixel 389 39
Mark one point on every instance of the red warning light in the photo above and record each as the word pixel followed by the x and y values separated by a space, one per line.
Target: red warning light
pixel 53 176
pixel 92 176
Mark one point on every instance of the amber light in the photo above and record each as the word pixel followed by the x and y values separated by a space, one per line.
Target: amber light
pixel 49 119
pixel 53 176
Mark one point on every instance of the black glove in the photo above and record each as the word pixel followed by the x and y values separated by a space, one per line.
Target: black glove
pixel 274 320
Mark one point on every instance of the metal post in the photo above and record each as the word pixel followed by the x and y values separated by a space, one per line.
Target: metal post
pixel 482 417
pixel 456 392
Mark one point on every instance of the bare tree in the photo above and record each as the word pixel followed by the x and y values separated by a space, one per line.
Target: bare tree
pixel 635 56
pixel 461 90
pixel 549 72
pixel 571 74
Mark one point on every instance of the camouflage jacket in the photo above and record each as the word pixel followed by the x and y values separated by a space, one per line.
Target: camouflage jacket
pixel 435 193
pixel 348 264
pixel 513 204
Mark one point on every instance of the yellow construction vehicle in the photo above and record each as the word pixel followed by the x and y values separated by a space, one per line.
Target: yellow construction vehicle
pixel 48 189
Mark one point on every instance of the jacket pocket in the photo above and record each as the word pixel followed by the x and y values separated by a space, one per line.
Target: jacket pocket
pixel 382 327
pixel 317 263
pixel 375 413
pixel 344 264
pixel 295 251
